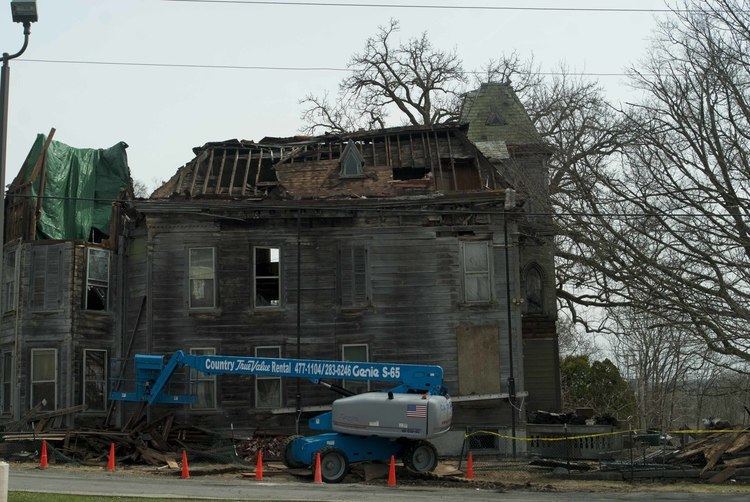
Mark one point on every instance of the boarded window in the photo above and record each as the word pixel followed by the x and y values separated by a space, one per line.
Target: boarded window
pixel 7 383
pixel 267 276
pixel 9 281
pixel 352 161
pixel 97 280
pixel 95 379
pixel 202 278
pixel 533 290
pixel 268 389
pixel 203 386
pixel 355 352
pixel 354 276
pixel 44 378
pixel 476 271
pixel 46 278
pixel 478 359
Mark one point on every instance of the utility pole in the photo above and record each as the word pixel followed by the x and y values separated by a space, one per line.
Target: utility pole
pixel 22 12
pixel 510 202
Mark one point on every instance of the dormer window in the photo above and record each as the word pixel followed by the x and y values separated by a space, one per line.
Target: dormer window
pixel 494 118
pixel 352 162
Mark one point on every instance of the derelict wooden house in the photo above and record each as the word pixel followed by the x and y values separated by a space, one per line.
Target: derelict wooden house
pixel 383 245
pixel 60 316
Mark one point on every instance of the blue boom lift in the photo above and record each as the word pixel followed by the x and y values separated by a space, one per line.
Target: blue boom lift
pixel 359 428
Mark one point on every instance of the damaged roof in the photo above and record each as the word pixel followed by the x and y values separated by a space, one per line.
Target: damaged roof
pixel 392 162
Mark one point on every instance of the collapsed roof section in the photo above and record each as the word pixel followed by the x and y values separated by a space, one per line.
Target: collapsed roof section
pixel 62 192
pixel 391 162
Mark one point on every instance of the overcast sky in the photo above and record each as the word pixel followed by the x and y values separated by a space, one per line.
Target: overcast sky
pixel 163 112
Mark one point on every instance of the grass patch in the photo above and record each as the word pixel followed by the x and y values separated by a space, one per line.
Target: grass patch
pixel 57 497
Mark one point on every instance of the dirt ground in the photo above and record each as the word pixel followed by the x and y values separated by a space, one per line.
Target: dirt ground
pixel 488 475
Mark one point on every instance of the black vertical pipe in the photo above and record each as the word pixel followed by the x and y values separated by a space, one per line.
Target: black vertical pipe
pixel 299 314
pixel 511 379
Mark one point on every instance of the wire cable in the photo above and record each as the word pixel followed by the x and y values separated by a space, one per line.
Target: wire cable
pixel 443 7
pixel 269 68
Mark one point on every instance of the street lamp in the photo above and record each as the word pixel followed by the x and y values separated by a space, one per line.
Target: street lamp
pixel 23 11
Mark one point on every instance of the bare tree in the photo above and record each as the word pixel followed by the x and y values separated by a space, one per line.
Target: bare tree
pixel 666 232
pixel 413 78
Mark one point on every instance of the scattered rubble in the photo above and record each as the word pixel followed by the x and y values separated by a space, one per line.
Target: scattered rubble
pixel 157 442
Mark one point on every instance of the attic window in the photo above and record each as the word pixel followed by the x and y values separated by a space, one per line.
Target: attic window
pixel 495 119
pixel 352 161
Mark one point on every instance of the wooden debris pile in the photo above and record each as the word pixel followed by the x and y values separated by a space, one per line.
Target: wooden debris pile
pixel 725 452
pixel 272 446
pixel 156 442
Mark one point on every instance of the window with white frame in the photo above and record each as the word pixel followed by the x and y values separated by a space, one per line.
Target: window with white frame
pixel 44 378
pixel 476 268
pixel 267 266
pixel 9 281
pixel 355 352
pixel 7 383
pixel 202 278
pixel 268 389
pixel 95 379
pixel 203 386
pixel 97 279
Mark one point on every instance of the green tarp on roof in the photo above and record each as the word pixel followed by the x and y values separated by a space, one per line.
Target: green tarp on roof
pixel 80 187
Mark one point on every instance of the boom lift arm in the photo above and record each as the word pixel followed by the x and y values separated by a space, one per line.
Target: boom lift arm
pixel 152 375
pixel 366 427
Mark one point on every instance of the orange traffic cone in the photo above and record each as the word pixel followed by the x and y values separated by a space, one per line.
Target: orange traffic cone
pixel 185 469
pixel 470 467
pixel 392 472
pixel 318 478
pixel 111 459
pixel 43 457
pixel 259 466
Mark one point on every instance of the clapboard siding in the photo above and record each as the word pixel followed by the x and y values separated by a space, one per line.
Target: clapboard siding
pixel 415 300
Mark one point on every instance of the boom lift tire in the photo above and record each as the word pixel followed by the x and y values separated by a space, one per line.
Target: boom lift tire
pixel 288 458
pixel 334 465
pixel 420 456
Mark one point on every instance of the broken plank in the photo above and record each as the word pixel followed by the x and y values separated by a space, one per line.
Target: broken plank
pixel 247 171
pixel 723 475
pixel 234 170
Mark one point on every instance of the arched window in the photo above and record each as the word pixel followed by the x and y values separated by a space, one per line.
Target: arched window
pixel 533 290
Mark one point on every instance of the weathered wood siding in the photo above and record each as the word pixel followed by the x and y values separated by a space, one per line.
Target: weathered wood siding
pixel 415 287
pixel 62 324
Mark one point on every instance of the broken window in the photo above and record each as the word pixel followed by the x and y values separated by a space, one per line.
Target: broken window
pixel 268 389
pixel 355 352
pixel 202 282
pixel 203 386
pixel 352 161
pixel 534 297
pixel 7 384
pixel 9 281
pixel 46 278
pixel 475 257
pixel 267 276
pixel 95 379
pixel 43 378
pixel 97 279
pixel 353 276
pixel 409 173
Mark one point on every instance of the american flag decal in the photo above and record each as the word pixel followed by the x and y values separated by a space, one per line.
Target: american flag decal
pixel 416 410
